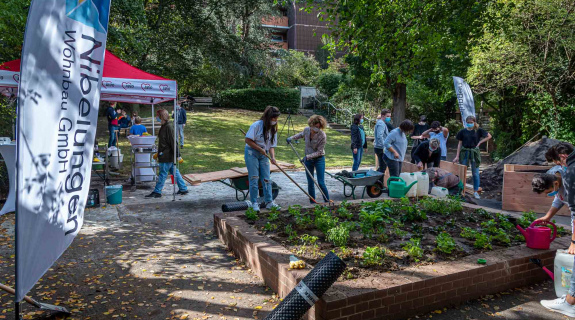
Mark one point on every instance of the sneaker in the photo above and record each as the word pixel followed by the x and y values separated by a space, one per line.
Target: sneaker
pixel 273 204
pixel 256 207
pixel 154 195
pixel 180 192
pixel 476 195
pixel 560 305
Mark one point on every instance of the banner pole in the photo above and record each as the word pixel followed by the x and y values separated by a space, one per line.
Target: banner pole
pixel 175 147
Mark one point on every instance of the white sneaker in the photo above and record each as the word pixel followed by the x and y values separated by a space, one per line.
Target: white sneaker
pixel 476 195
pixel 273 204
pixel 256 206
pixel 560 305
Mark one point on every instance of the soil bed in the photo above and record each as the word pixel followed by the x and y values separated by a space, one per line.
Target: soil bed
pixel 383 236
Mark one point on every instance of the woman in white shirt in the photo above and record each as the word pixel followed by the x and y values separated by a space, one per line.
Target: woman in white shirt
pixel 261 139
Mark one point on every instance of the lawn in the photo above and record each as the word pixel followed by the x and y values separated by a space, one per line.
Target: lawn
pixel 214 142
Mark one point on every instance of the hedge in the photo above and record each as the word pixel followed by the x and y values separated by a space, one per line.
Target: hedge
pixel 287 100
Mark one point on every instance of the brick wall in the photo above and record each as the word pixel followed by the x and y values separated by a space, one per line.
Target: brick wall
pixel 394 295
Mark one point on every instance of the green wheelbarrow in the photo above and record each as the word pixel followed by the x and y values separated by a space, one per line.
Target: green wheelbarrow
pixel 369 179
pixel 242 187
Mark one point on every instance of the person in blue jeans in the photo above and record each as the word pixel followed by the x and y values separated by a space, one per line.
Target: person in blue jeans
pixel 165 155
pixel 358 142
pixel 468 152
pixel 314 159
pixel 112 123
pixel 261 139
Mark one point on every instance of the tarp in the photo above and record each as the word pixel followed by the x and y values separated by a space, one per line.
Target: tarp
pixel 121 82
pixel 58 99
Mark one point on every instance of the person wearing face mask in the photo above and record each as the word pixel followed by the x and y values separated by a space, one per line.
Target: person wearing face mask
pixel 427 153
pixel 358 141
pixel 437 132
pixel 314 159
pixel 382 128
pixel 261 139
pixel 165 156
pixel 551 184
pixel 470 138
pixel 395 147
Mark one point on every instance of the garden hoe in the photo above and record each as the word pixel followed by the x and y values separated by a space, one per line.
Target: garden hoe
pixel 39 305
pixel 287 175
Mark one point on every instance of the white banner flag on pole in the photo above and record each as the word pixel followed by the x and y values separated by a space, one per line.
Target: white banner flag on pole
pixel 464 98
pixel 59 92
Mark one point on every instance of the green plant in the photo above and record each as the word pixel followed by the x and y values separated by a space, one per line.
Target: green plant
pixel 369 222
pixel 454 204
pixel 445 243
pixel 412 213
pixel 292 234
pixel 483 214
pixel 470 217
pixel 417 229
pixel 490 226
pixel 270 226
pixel 399 232
pixel 519 238
pixel 482 241
pixel 287 100
pixel 339 235
pixel 325 221
pixel 343 211
pixel 373 256
pixel 526 219
pixel 274 214
pixel 308 240
pixel 433 205
pixel 504 222
pixel 294 210
pixel 560 230
pixel 251 214
pixel 413 248
pixel 451 222
pixel 501 236
pixel 468 233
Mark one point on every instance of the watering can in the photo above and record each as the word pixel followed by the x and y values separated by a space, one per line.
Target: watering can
pixel 398 189
pixel 538 237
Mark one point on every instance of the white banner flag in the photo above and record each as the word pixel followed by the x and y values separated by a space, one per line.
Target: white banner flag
pixel 61 70
pixel 464 98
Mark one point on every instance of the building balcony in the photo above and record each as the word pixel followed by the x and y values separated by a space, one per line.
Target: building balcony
pixel 281 24
pixel 279 45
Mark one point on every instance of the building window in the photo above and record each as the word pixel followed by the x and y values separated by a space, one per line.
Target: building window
pixel 277 37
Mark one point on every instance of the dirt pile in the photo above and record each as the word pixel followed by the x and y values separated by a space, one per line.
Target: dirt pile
pixel 532 154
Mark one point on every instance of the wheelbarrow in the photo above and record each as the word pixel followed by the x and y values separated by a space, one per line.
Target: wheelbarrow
pixel 242 187
pixel 369 179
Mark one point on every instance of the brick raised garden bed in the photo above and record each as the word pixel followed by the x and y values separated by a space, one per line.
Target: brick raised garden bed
pixel 412 290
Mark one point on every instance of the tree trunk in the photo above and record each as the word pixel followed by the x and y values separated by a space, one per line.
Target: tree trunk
pixel 399 102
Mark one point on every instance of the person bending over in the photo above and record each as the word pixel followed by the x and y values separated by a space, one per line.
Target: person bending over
pixel 427 153
pixel 395 147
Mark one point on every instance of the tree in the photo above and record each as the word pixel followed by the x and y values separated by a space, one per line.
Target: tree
pixel 525 65
pixel 398 39
pixel 12 23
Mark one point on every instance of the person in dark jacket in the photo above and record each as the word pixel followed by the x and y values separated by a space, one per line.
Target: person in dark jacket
pixel 468 152
pixel 165 156
pixel 382 128
pixel 112 123
pixel 566 304
pixel 358 141
pixel 427 153
pixel 181 123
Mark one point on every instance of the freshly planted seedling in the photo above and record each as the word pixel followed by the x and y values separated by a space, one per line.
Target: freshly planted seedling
pixel 373 256
pixel 369 222
pixel 343 211
pixel 504 222
pixel 294 210
pixel 339 235
pixel 292 234
pixel 325 221
pixel 469 233
pixel 483 214
pixel 501 236
pixel 413 248
pixel 454 205
pixel 445 243
pixel 308 240
pixel 482 241
pixel 490 226
pixel 417 229
pixel 270 226
pixel 251 214
pixel 526 219
pixel 274 214
pixel 412 213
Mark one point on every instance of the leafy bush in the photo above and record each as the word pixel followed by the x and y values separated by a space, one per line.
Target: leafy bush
pixel 501 236
pixel 504 222
pixel 339 235
pixel 370 222
pixel 328 82
pixel 413 248
pixel 482 241
pixel 325 221
pixel 343 212
pixel 469 233
pixel 490 226
pixel 445 243
pixel 287 100
pixel 526 219
pixel 251 214
pixel 443 207
pixel 373 256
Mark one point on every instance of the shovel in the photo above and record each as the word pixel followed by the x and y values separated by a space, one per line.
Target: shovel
pixel 308 172
pixel 39 305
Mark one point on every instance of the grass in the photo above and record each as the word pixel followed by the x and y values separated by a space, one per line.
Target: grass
pixel 214 142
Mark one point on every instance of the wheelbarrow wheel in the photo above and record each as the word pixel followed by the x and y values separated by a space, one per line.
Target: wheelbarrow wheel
pixel 375 190
pixel 275 191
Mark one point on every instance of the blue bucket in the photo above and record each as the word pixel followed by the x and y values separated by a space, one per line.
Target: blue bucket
pixel 114 194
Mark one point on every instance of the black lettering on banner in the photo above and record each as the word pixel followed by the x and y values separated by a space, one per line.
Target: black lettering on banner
pixel 81 142
pixel 70 179
pixel 69 41
pixel 82 82
pixel 75 219
pixel 84 107
pixel 62 126
pixel 78 165
pixel 86 55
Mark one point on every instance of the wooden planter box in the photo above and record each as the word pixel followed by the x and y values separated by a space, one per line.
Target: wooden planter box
pixel 517 192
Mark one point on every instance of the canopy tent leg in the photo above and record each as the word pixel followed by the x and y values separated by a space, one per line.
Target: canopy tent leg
pixel 175 148
pixel 153 121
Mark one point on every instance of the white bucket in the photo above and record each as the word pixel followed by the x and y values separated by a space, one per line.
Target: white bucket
pixel 439 192
pixel 409 178
pixel 562 271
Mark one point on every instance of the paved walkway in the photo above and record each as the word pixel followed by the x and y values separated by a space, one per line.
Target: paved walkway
pixel 159 259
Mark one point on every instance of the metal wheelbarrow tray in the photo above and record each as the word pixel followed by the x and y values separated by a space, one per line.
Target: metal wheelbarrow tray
pixel 369 179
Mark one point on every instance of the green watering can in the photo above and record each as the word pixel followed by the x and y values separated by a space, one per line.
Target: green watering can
pixel 398 189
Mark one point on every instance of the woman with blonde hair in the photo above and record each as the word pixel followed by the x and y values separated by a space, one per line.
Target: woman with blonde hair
pixel 470 138
pixel 261 139
pixel 165 156
pixel 314 158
